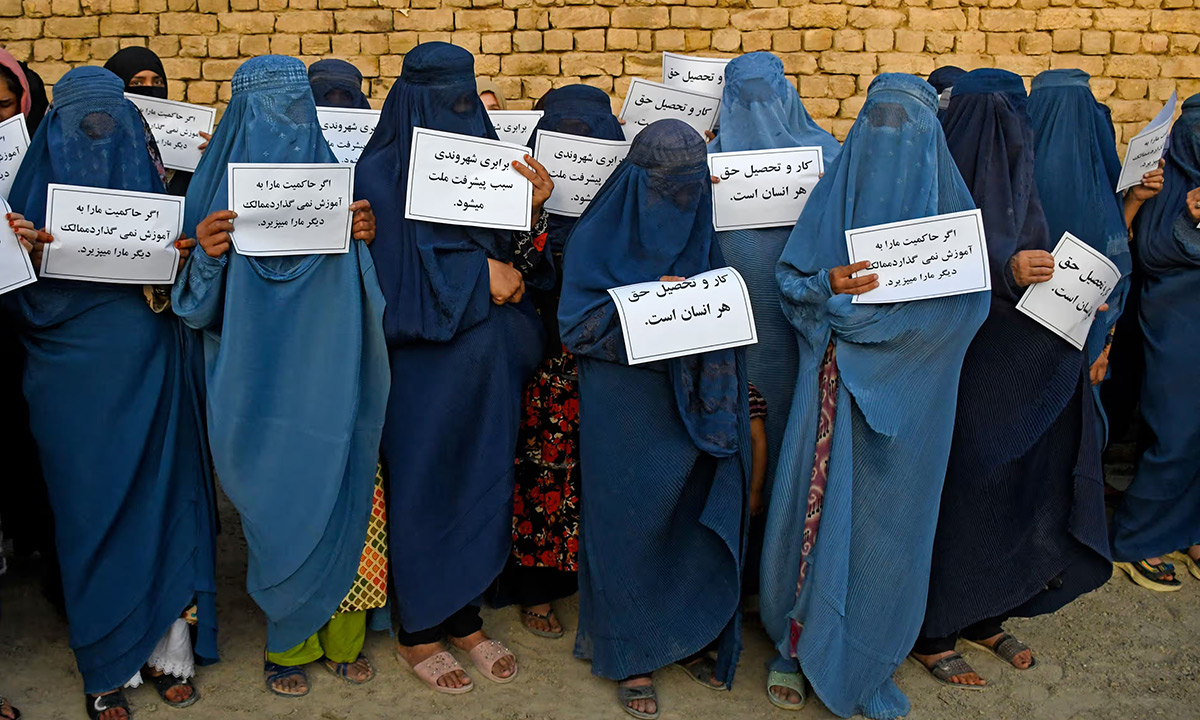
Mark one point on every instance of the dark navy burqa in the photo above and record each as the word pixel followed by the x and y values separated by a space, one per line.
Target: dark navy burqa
pixel 337 83
pixel 114 410
pixel 296 369
pixel 861 607
pixel 1161 509
pixel 459 362
pixel 943 80
pixel 760 110
pixel 664 445
pixel 1024 498
pixel 1076 167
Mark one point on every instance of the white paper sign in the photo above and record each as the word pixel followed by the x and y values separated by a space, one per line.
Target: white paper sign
pixel 176 128
pixel 514 126
pixel 1066 303
pixel 763 188
pixel 579 167
pixel 16 269
pixel 706 312
pixel 698 74
pixel 1147 147
pixel 291 209
pixel 347 130
pixel 923 258
pixel 112 236
pixel 461 180
pixel 14 141
pixel 648 101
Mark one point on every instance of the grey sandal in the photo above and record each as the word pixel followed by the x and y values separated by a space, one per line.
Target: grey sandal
pixel 948 667
pixel 702 669
pixel 627 695
pixel 791 681
pixel 1007 648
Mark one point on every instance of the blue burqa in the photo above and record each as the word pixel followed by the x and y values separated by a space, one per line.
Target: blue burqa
pixel 863 601
pixel 664 445
pixel 296 368
pixel 760 110
pixel 1024 496
pixel 1161 509
pixel 459 362
pixel 114 410
pixel 337 83
pixel 1076 166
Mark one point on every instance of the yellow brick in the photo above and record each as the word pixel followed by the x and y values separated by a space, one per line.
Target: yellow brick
pixel 526 41
pixel 847 63
pixel 909 41
pixel 814 87
pixel 424 20
pixel 1024 65
pixel 187 24
pixel 192 46
pixel 1132 89
pixel 726 40
pixel 181 68
pixel 400 43
pixel 948 19
pixel 1036 43
pixel 641 17
pixel 841 86
pixel 1184 44
pixel 819 16
pixel 529 65
pixel 1007 20
pixel 485 20
pixel 102 48
pixel 202 93
pixel 213 6
pixel 669 40
pixel 1135 66
pixel 617 39
pixel 818 39
pixel 590 40
pixel 1090 64
pixel 126 25
pixel 1181 21
pixel 799 64
pixel 848 40
pixel 285 44
pixel 821 107
pixel 44 50
pixel 875 18
pixel 390 65
pixel 756 41
pixel 787 41
pixel 707 18
pixel 357 21
pixel 1121 19
pixel 219 69
pixel 1003 43
pixel 164 45
pixel 496 43
pixel 701 39
pixel 341 45
pixel 11 8
pixel 486 64
pixel 1067 40
pixel 223 46
pixel 536 87
pixel 533 19
pixel 1064 19
pixel 878 40
pixel 578 17
pixel 1181 67
pixel 1095 42
pixel 644 65
pixel 915 63
pixel 588 64
pixel 315 44
pixel 764 19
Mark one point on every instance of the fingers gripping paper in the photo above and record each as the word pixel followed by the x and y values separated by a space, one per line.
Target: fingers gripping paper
pixel 1066 304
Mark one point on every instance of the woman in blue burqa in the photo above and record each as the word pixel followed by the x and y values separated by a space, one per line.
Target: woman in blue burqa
pixel 463 341
pixel 545 552
pixel 296 372
pixel 1022 529
pixel 760 110
pixel 337 83
pixel 115 414
pixel 665 445
pixel 1160 513
pixel 851 523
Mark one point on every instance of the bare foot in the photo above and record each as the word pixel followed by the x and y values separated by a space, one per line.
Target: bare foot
pixel 547 623
pixel 1020 661
pixel 6 710
pixel 177 694
pixel 965 679
pixel 502 668
pixel 645 705
pixel 420 653
pixel 111 713
pixel 1194 553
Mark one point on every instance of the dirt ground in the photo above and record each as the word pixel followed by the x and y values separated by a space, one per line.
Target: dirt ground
pixel 1120 653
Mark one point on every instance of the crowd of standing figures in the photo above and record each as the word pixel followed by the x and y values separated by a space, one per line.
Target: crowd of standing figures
pixel 446 415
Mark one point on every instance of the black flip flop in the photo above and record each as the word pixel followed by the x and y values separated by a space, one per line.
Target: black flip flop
pixel 165 683
pixel 97 704
pixel 544 618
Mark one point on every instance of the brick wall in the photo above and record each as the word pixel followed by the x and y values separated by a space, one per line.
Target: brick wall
pixel 1137 51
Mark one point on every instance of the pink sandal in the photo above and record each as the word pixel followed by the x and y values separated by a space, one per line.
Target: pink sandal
pixel 486 654
pixel 434 668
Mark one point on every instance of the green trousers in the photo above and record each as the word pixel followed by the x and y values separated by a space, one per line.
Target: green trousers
pixel 340 640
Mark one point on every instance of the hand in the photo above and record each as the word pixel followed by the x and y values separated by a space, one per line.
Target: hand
pixel 507 284
pixel 841 282
pixel 1032 266
pixel 213 233
pixel 1152 184
pixel 27 234
pixel 537 176
pixel 1100 367
pixel 709 136
pixel 715 179
pixel 184 245
pixel 1193 205
pixel 671 278
pixel 364 221
pixel 207 137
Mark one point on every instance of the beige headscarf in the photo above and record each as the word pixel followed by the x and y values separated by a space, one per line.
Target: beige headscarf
pixel 483 85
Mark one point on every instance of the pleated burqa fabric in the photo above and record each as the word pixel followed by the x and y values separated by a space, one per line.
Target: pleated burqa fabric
pixel 113 409
pixel 1161 509
pixel 296 369
pixel 459 361
pixel 860 608
pixel 1024 497
pixel 664 445
pixel 760 110
pixel 1076 167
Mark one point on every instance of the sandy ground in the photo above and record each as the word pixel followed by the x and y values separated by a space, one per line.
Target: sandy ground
pixel 1120 653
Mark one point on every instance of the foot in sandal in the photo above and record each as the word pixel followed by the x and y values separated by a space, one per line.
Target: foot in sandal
pixel 489 656
pixel 285 681
pixel 1190 559
pixel 7 711
pixel 637 697
pixel 109 706
pixel 785 689
pixel 1009 649
pixel 437 667
pixel 949 668
pixel 541 621
pixel 703 669
pixel 359 672
pixel 1152 573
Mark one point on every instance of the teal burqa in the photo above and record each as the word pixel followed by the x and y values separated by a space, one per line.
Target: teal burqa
pixel 296 366
pixel 861 606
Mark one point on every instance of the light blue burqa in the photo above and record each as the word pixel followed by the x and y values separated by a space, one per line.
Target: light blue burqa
pixel 297 369
pixel 760 110
pixel 862 604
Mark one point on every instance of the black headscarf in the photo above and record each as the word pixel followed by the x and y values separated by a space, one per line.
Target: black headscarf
pixel 37 94
pixel 132 60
